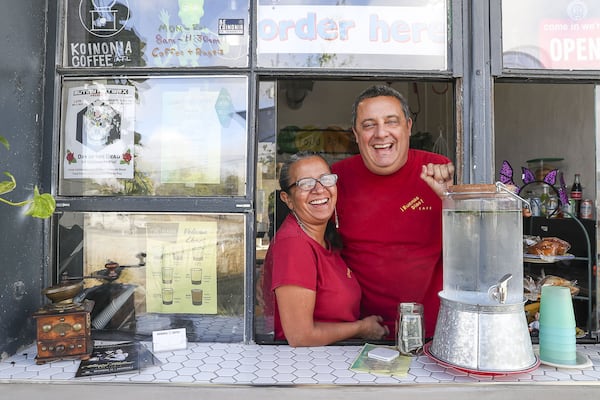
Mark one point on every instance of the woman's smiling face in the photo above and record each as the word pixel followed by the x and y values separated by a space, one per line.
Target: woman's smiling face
pixel 315 206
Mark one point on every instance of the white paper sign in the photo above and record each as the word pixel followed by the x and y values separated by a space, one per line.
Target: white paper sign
pixel 169 340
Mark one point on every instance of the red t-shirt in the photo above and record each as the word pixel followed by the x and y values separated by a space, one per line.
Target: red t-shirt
pixel 294 258
pixel 391 227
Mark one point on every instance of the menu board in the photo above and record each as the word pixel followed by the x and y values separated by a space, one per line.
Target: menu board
pixel 181 269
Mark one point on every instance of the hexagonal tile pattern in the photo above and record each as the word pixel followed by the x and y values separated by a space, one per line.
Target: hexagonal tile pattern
pixel 235 363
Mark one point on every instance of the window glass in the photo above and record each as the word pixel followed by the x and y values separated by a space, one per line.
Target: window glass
pixel 558 34
pixel 156 33
pixel 157 136
pixel 266 196
pixel 353 34
pixel 148 272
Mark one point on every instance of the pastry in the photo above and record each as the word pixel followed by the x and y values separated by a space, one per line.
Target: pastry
pixel 550 246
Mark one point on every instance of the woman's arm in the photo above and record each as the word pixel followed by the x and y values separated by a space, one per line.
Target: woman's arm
pixel 296 308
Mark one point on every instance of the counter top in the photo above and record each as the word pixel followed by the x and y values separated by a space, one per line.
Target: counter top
pixel 241 364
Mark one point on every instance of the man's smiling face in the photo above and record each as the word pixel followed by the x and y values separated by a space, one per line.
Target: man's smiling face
pixel 383 134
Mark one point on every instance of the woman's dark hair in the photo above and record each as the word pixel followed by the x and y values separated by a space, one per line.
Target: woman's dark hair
pixel 331 233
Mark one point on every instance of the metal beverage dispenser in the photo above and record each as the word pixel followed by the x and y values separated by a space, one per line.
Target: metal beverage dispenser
pixel 481 325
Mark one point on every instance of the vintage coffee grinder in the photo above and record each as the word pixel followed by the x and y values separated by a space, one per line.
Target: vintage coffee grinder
pixel 64 326
pixel 481 325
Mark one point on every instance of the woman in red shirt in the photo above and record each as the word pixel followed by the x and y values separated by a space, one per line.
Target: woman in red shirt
pixel 317 297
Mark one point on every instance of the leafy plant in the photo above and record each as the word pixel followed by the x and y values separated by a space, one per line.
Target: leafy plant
pixel 40 206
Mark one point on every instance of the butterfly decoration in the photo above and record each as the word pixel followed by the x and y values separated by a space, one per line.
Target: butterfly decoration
pixel 506 174
pixel 562 190
pixel 506 177
pixel 527 175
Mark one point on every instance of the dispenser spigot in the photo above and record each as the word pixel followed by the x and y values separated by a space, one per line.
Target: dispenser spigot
pixel 499 291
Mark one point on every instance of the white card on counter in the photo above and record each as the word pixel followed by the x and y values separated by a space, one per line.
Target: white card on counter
pixel 383 354
pixel 168 340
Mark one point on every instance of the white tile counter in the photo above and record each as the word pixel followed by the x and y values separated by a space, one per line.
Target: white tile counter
pixel 239 364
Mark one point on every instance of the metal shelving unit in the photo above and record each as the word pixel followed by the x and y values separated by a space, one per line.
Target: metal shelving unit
pixel 574 231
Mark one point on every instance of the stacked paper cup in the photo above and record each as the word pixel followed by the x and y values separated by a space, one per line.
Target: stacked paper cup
pixel 557 326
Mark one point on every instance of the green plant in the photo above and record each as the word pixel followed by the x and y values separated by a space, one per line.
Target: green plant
pixel 40 206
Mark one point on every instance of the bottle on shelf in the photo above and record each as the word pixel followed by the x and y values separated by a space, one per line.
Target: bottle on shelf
pixel 576 194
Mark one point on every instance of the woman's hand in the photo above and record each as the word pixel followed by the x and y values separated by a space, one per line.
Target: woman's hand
pixel 296 307
pixel 372 328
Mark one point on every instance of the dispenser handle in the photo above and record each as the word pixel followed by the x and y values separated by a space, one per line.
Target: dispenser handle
pixel 502 187
pixel 499 291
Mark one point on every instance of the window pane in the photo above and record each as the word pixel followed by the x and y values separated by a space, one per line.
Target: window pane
pixel 558 34
pixel 353 34
pixel 161 271
pixel 156 33
pixel 169 136
pixel 299 124
pixel 266 196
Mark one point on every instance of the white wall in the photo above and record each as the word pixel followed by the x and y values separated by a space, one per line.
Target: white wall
pixel 329 103
pixel 547 120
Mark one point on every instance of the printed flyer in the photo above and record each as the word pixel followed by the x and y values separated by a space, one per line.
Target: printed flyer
pixel 181 269
pixel 116 358
pixel 99 132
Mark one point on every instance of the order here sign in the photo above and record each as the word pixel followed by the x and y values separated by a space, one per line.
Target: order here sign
pixel 353 30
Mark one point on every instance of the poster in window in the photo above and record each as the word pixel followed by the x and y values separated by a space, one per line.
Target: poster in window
pixel 157 33
pixel 99 132
pixel 181 269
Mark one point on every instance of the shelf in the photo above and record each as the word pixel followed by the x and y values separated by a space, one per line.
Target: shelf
pixel 581 234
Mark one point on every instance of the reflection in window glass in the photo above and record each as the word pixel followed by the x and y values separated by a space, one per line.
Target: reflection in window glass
pixel 353 34
pixel 266 192
pixel 148 272
pixel 156 33
pixel 175 136
pixel 558 34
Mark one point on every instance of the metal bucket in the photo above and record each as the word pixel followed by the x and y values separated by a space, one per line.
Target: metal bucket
pixel 486 338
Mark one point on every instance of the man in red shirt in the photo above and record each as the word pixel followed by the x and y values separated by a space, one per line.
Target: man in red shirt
pixel 389 210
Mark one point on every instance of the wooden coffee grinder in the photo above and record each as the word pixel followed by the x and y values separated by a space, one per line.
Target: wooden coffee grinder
pixel 63 327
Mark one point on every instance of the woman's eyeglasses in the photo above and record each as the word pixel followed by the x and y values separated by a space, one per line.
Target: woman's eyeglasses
pixel 307 184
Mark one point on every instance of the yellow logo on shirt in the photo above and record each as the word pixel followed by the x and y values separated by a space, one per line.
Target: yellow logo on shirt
pixel 416 203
